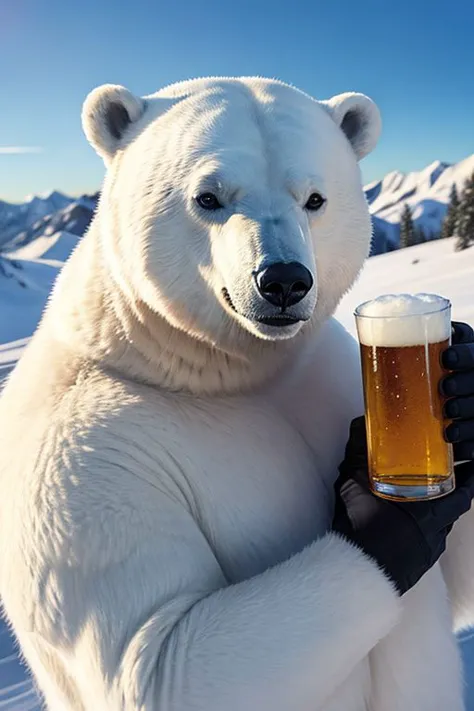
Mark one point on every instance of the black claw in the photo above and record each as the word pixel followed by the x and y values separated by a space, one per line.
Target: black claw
pixel 451 409
pixel 459 357
pixel 448 386
pixel 450 358
pixel 462 332
pixel 452 433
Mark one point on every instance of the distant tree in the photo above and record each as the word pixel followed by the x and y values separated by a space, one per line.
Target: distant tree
pixel 407 228
pixel 449 223
pixel 420 235
pixel 465 221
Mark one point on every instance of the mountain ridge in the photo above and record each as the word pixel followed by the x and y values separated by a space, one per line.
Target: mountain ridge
pixel 71 215
pixel 16 217
pixel 425 191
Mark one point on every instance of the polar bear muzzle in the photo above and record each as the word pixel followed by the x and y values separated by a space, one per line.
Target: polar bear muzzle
pixel 284 285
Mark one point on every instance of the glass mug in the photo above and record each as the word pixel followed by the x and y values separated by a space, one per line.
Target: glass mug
pixel 401 340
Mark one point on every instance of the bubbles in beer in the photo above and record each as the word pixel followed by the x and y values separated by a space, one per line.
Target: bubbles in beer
pixel 395 320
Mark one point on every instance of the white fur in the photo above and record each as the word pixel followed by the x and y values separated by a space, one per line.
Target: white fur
pixel 167 464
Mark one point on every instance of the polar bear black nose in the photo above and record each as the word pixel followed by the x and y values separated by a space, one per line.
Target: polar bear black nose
pixel 284 284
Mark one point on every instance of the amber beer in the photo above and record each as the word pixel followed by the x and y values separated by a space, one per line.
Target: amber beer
pixel 401 340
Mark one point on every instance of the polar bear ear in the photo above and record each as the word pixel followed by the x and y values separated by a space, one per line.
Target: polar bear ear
pixel 107 113
pixel 359 118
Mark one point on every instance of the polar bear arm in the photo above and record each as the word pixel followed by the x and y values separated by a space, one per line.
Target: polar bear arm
pixel 161 629
pixel 457 564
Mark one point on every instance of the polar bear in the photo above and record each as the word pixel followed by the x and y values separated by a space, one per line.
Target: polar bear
pixel 170 440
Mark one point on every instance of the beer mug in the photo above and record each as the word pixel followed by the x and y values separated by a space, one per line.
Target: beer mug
pixel 401 340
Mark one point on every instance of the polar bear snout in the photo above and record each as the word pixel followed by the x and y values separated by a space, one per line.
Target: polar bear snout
pixel 267 271
pixel 284 284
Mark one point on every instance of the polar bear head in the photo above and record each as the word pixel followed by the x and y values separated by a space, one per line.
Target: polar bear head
pixel 233 208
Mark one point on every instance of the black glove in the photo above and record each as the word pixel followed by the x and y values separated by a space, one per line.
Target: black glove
pixel 459 387
pixel 407 538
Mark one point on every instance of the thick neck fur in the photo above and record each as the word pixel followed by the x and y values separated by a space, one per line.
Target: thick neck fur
pixel 95 321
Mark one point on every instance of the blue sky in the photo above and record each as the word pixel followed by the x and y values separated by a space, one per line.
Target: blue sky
pixel 414 58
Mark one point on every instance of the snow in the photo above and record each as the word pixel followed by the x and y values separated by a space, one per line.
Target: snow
pixel 56 246
pixel 24 289
pixel 9 355
pixel 16 689
pixel 431 268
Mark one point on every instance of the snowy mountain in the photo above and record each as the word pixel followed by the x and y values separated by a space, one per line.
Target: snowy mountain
pixel 73 217
pixel 425 191
pixel 24 289
pixel 53 248
pixel 15 218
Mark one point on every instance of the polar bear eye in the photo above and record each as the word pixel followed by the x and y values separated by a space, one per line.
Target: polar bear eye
pixel 208 201
pixel 314 202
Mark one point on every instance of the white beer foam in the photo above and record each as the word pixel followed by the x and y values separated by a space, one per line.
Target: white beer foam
pixel 404 320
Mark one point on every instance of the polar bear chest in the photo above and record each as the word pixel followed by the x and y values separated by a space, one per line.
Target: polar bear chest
pixel 254 486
